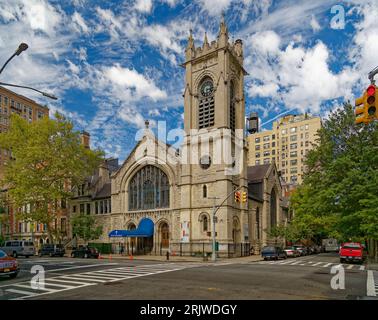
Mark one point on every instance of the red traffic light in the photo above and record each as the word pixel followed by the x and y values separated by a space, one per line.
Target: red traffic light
pixel 370 90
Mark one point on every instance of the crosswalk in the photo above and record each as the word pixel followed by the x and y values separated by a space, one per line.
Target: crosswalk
pixel 25 290
pixel 308 263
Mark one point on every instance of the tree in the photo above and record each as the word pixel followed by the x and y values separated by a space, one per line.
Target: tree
pixel 84 227
pixel 47 159
pixel 339 195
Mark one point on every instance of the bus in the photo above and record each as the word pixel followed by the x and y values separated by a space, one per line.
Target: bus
pixel 330 245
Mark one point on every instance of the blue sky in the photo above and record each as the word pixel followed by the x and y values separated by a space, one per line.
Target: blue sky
pixel 114 64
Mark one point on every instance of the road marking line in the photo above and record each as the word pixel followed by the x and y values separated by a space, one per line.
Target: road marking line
pixel 105 276
pixel 316 264
pixel 350 266
pixel 327 265
pixel 362 268
pixel 29 287
pixel 95 276
pixel 78 267
pixel 83 278
pixel 116 272
pixel 370 285
pixel 285 262
pixel 28 293
pixel 68 281
pixel 296 262
pixel 57 285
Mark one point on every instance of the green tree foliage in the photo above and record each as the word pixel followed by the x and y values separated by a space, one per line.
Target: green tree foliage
pixel 47 160
pixel 84 227
pixel 339 195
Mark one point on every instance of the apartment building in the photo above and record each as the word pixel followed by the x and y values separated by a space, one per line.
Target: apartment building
pixel 287 144
pixel 11 102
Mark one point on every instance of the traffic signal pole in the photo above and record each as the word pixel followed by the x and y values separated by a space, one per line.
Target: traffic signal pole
pixel 215 210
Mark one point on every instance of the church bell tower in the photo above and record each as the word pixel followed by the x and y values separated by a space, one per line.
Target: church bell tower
pixel 214 107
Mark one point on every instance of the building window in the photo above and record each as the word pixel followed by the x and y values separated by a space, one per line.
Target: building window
pixel 306 144
pixel 257 147
pixel 257 140
pixel 206 104
pixel 81 207
pixel 232 107
pixel 73 209
pixel 306 127
pixel 266 138
pixel 284 131
pixel 294 179
pixel 88 208
pixel 273 136
pixel 293 154
pixel 257 155
pixel 294 170
pixel 96 207
pixel 257 162
pixel 307 135
pixel 273 144
pixel 293 129
pixel 293 162
pixel 293 138
pixel 266 145
pixel 266 153
pixel 293 146
pixel 149 189
pixel 205 223
pixel 5 101
pixel 266 161
pixel 273 152
pixel 283 164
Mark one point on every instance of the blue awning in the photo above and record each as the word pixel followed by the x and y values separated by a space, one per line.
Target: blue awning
pixel 145 229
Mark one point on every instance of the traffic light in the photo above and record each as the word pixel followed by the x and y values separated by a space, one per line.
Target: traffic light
pixel 244 197
pixel 237 196
pixel 372 102
pixel 367 106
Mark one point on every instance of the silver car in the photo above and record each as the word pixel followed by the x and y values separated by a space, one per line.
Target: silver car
pixel 16 248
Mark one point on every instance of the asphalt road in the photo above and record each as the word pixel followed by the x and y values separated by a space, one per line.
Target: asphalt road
pixel 305 278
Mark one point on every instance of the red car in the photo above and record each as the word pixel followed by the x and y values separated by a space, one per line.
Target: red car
pixel 351 251
pixel 8 265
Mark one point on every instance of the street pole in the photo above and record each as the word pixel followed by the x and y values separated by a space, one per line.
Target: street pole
pixel 22 47
pixel 215 209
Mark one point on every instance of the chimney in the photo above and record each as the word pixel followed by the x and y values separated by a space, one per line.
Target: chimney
pixel 85 139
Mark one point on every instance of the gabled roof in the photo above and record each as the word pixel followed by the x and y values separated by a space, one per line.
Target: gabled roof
pixel 257 173
pixel 105 192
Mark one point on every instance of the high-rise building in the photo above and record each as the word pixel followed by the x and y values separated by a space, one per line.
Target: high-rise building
pixel 11 102
pixel 287 144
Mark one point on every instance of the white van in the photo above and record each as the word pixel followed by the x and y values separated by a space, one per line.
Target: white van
pixel 16 248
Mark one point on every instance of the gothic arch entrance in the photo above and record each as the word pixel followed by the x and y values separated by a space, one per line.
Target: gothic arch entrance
pixel 273 208
pixel 236 232
pixel 164 235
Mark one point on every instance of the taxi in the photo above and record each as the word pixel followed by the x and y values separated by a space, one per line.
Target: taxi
pixel 8 265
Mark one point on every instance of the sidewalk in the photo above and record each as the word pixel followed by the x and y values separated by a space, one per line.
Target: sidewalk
pixel 372 265
pixel 180 259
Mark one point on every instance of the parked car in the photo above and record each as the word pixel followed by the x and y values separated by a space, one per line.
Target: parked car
pixel 292 252
pixel 302 249
pixel 352 251
pixel 85 252
pixel 270 252
pixel 8 265
pixel 52 250
pixel 17 248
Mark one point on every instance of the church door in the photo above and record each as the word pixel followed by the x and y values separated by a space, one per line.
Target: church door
pixel 164 235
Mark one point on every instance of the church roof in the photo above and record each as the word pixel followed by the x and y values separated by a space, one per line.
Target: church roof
pixel 257 173
pixel 105 192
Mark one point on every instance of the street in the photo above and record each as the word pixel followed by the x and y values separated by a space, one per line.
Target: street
pixel 305 278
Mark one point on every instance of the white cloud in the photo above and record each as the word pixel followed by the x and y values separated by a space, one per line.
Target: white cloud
pixel 130 79
pixel 144 6
pixel 314 24
pixel 266 42
pixel 215 7
pixel 79 23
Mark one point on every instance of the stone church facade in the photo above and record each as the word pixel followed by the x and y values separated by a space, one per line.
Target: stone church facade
pixel 177 188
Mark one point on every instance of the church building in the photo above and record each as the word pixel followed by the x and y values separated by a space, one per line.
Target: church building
pixel 162 198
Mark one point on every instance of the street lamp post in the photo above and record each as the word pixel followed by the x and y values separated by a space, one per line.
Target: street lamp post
pixel 21 48
pixel 215 209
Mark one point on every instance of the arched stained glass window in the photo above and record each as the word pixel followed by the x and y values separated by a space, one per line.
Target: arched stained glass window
pixel 232 107
pixel 149 189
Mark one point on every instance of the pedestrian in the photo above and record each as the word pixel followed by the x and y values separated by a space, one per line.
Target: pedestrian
pixel 122 249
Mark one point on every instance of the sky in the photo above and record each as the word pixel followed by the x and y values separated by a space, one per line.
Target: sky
pixel 113 64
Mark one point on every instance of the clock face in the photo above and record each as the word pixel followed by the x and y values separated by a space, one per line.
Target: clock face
pixel 207 88
pixel 205 162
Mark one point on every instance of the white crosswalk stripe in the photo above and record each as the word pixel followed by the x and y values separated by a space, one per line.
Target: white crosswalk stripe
pixel 24 290
pixel 305 263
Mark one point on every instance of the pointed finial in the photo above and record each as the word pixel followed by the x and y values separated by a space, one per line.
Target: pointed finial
pixel 205 41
